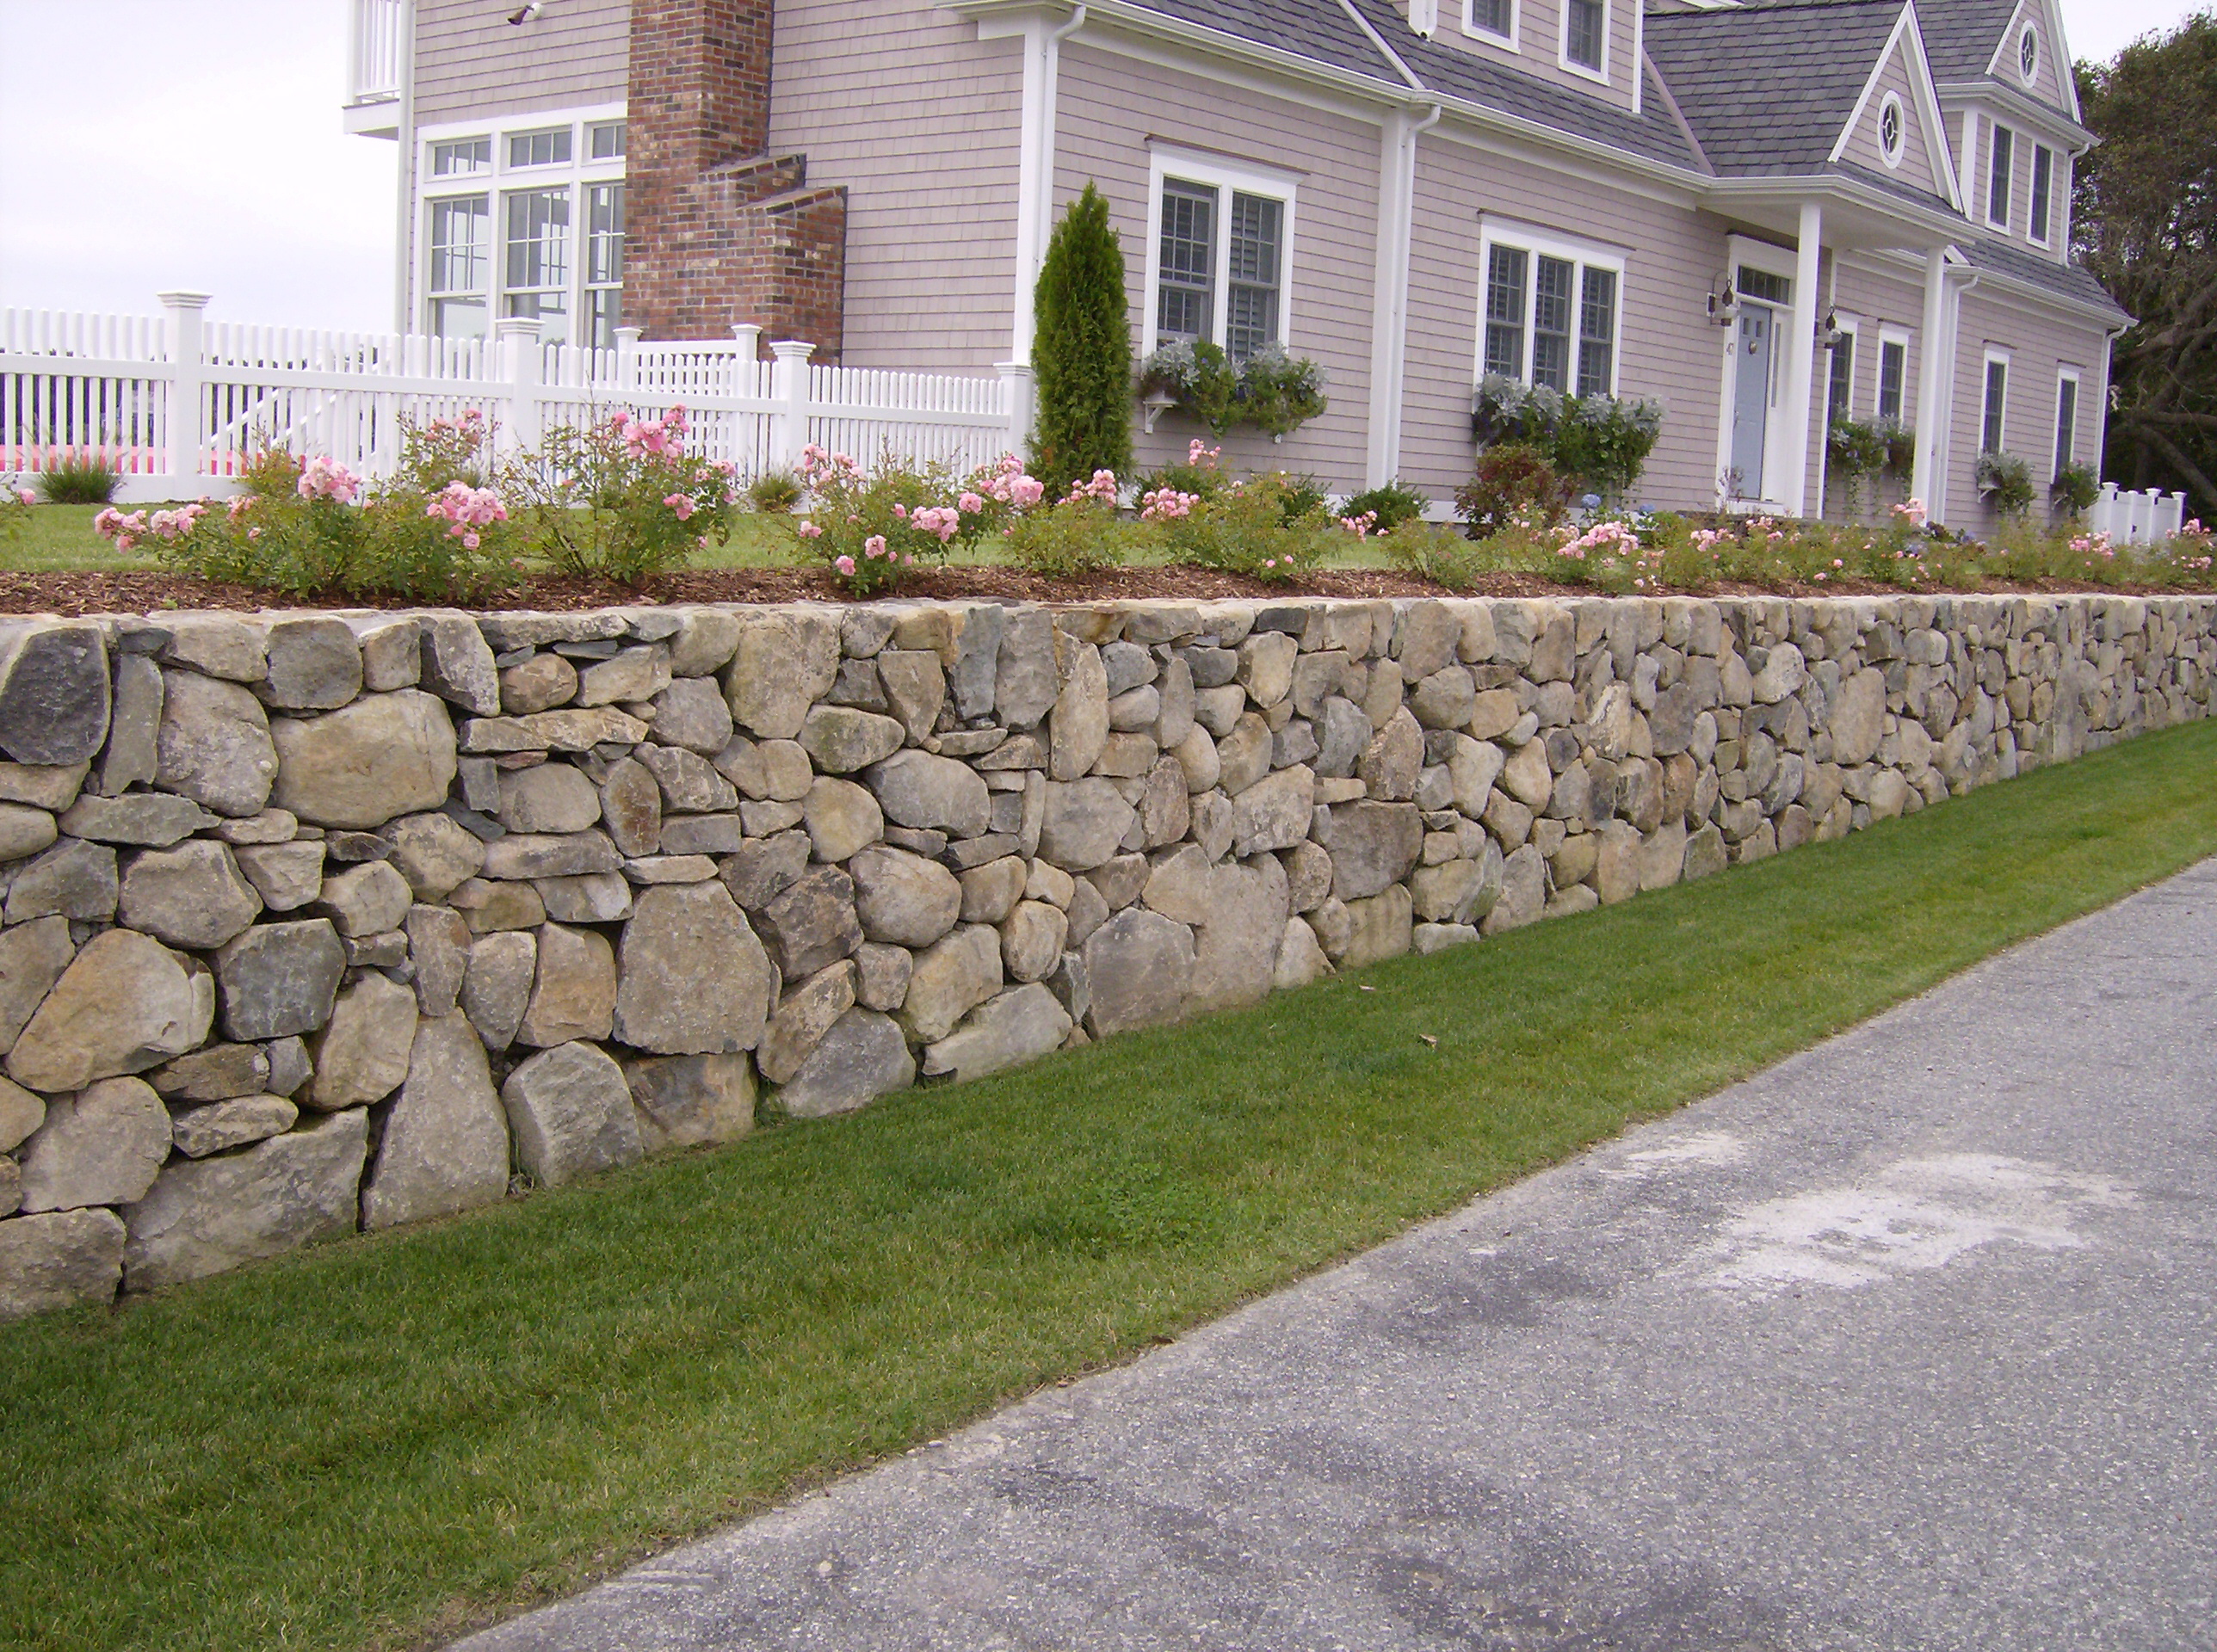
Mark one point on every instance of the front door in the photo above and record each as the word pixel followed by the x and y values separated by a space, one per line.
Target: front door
pixel 1751 398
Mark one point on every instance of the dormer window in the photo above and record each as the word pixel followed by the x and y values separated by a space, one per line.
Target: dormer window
pixel 1585 36
pixel 1890 130
pixel 1494 17
pixel 2028 54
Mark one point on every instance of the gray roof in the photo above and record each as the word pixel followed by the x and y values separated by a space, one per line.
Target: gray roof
pixel 2070 280
pixel 1961 35
pixel 1317 29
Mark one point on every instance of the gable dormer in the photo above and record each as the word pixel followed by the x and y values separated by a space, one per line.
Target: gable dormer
pixel 2002 71
pixel 2032 58
pixel 1896 130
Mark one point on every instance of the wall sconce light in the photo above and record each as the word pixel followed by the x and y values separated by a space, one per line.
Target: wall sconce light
pixel 1829 331
pixel 1724 304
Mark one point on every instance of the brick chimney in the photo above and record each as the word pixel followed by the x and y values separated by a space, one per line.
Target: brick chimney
pixel 718 230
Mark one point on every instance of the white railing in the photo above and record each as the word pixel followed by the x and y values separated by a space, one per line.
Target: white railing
pixel 373 47
pixel 2145 518
pixel 179 404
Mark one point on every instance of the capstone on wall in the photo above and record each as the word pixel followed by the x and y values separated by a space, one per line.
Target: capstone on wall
pixel 310 922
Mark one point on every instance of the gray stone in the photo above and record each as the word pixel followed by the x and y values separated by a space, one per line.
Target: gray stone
pixel 903 899
pixel 1372 845
pixel 457 664
pixel 717 834
pixel 1389 763
pixel 241 1121
pixel 144 817
pixel 840 739
pixel 689 784
pixel 1139 964
pixel 24 830
pixel 1378 927
pixel 1300 958
pixel 1705 852
pixel 1274 813
pixel 51 788
pixel 1236 948
pixel 1526 777
pixel 214 745
pixel 580 730
pixel 1121 879
pixel 359 767
pixel 542 682
pixel 53 691
pixel 1085 822
pixel 1663 856
pixel 73 879
pixel 1858 718
pixel 630 801
pixel 1473 767
pixel 1443 699
pixel 1343 730
pixel 950 980
pixel 784 663
pixel 1243 756
pixel 217 645
pixel 992 891
pixel 862 1056
pixel 1032 938
pixel 589 897
pixel 549 797
pixel 277 979
pixel 573 990
pixel 69 1258
pixel 1016 1027
pixel 918 790
pixel 444 1144
pixel 691 1101
pixel 289 1067
pixel 971 671
pixel 774 770
pixel 270 826
pixel 882 975
pixel 808 1012
pixel 843 818
pixel 101 1146
pixel 1026 683
pixel 439 947
pixel 213 1074
pixel 1426 638
pixel 191 896
pixel 496 984
pixel 704 641
pixel 134 729
pixel 391 655
pixel 915 687
pixel 570 1112
pixel 207 1215
pixel 1266 667
pixel 487 906
pixel 1077 727
pixel 1165 807
pixel 1448 892
pixel 314 663
pixel 666 1003
pixel 20 1112
pixel 1126 665
pixel 525 855
pixel 124 1004
pixel 631 675
pixel 366 900
pixel 362 1054
pixel 434 852
pixel 763 870
pixel 1783 673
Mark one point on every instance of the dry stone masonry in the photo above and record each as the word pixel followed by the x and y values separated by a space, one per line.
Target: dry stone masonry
pixel 316 924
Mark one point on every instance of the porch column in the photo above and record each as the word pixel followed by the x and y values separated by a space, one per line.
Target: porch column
pixel 1035 163
pixel 1389 309
pixel 1934 374
pixel 1801 357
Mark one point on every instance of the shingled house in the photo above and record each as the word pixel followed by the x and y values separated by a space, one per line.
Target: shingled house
pixel 1762 214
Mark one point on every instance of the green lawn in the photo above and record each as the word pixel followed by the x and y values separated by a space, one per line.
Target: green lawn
pixel 380 1441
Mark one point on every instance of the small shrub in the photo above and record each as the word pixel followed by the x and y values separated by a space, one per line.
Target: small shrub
pixel 2008 479
pixel 621 499
pixel 1390 506
pixel 16 506
pixel 775 493
pixel 447 451
pixel 1514 485
pixel 1064 541
pixel 2076 488
pixel 1245 530
pixel 1433 551
pixel 80 479
pixel 1082 351
pixel 1202 475
pixel 872 529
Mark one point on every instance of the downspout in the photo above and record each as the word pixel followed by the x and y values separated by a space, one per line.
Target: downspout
pixel 1389 350
pixel 1035 172
pixel 1944 438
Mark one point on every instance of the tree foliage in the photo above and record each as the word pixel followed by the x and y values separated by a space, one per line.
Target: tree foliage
pixel 2146 223
pixel 1082 351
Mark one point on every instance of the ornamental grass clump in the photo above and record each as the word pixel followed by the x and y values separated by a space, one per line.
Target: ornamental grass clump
pixel 80 479
pixel 621 499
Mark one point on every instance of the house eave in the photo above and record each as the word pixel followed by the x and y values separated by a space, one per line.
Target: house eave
pixel 1999 93
pixel 1927 227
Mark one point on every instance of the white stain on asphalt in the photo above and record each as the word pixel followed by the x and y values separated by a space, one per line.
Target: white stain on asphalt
pixel 1704 1148
pixel 1913 1215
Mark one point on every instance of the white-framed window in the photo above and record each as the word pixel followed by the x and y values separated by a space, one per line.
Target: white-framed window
pixel 2043 194
pixel 1551 309
pixel 1219 252
pixel 1999 161
pixel 539 231
pixel 1993 407
pixel 1893 375
pixel 1892 129
pixel 2066 419
pixel 1585 38
pixel 1496 20
pixel 2028 55
pixel 1840 378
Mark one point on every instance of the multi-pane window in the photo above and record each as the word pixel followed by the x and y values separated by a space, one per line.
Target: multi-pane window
pixel 547 148
pixel 1762 284
pixel 1586 22
pixel 1892 370
pixel 1221 268
pixel 2043 190
pixel 604 245
pixel 1492 17
pixel 461 245
pixel 1550 319
pixel 1840 393
pixel 1991 424
pixel 535 274
pixel 604 140
pixel 1997 177
pixel 2066 422
pixel 464 157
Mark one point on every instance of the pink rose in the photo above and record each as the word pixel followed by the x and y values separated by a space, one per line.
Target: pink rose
pixel 969 504
pixel 845 565
pixel 681 505
pixel 26 496
pixel 874 545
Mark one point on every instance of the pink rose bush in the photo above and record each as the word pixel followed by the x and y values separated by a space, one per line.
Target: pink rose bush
pixel 622 499
pixel 872 527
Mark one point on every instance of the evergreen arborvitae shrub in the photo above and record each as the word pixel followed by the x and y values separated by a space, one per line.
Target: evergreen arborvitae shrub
pixel 1082 352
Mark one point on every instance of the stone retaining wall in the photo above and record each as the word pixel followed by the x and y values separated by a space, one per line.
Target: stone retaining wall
pixel 315 922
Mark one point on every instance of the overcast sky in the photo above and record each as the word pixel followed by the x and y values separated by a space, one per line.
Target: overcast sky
pixel 153 145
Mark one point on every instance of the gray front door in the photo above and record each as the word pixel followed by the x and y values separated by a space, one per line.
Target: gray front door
pixel 1752 400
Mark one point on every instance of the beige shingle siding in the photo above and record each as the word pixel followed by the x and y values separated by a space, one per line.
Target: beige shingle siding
pixel 2038 344
pixel 1539 46
pixel 1668 348
pixel 1918 164
pixel 470 61
pixel 1107 108
pixel 904 105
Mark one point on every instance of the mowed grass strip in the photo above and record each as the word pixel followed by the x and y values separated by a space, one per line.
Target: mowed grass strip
pixel 380 1442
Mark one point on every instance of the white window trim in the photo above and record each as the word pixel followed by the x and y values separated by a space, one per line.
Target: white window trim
pixel 1907 417
pixel 1771 259
pixel 2065 375
pixel 1552 243
pixel 1893 101
pixel 1249 178
pixel 1851 327
pixel 2030 77
pixel 1986 362
pixel 2009 198
pixel 579 173
pixel 2031 188
pixel 1508 42
pixel 1563 42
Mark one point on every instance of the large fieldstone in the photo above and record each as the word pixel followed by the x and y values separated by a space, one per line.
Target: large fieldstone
pixel 1858 718
pixel 842 819
pixel 206 1215
pixel 840 739
pixel 1085 822
pixel 691 978
pixel 370 899
pixel 149 817
pixel 812 924
pixel 496 984
pixel 457 664
pixel 692 714
pixel 1139 964
pixel 101 1146
pixel 286 876
pixel 1077 727
pixel 69 1258
pixel 571 1113
pixel 548 798
pixel 384 755
pixel 134 727
pixel 1235 950
pixel 20 1112
pixel 1014 1026
pixel 808 1012
pixel 863 1057
pixel 574 991
pixel 918 790
pixel 434 853
pixel 32 958
pixel 445 1146
pixel 215 745
pixel 53 692
pixel 903 898
pixel 239 1121
pixel 1378 927
pixel 125 1003
pixel 1032 938
pixel 362 1055
pixel 950 980
pixel 691 1101
pixel 314 662
pixel 278 979
pixel 73 879
pixel 1274 813
pixel 1372 845
pixel 784 663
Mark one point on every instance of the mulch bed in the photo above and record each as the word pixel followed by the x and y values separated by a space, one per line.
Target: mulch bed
pixel 74 593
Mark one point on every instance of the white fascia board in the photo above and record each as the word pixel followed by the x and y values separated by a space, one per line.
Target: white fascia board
pixel 1928 109
pixel 1870 86
pixel 1908 266
pixel 1931 225
pixel 2013 107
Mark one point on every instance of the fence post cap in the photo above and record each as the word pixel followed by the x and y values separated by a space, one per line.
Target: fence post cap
pixel 184 300
pixel 792 349
pixel 517 327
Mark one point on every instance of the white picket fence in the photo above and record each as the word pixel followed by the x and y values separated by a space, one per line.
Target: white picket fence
pixel 2145 518
pixel 179 404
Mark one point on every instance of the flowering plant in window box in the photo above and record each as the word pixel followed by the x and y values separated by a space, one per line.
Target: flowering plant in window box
pixel 2007 480
pixel 1601 440
pixel 1270 390
pixel 2075 488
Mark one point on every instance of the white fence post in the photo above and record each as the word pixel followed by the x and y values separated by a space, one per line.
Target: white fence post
pixel 523 368
pixel 2170 515
pixel 188 384
pixel 1017 389
pixel 788 389
pixel 628 357
pixel 749 341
